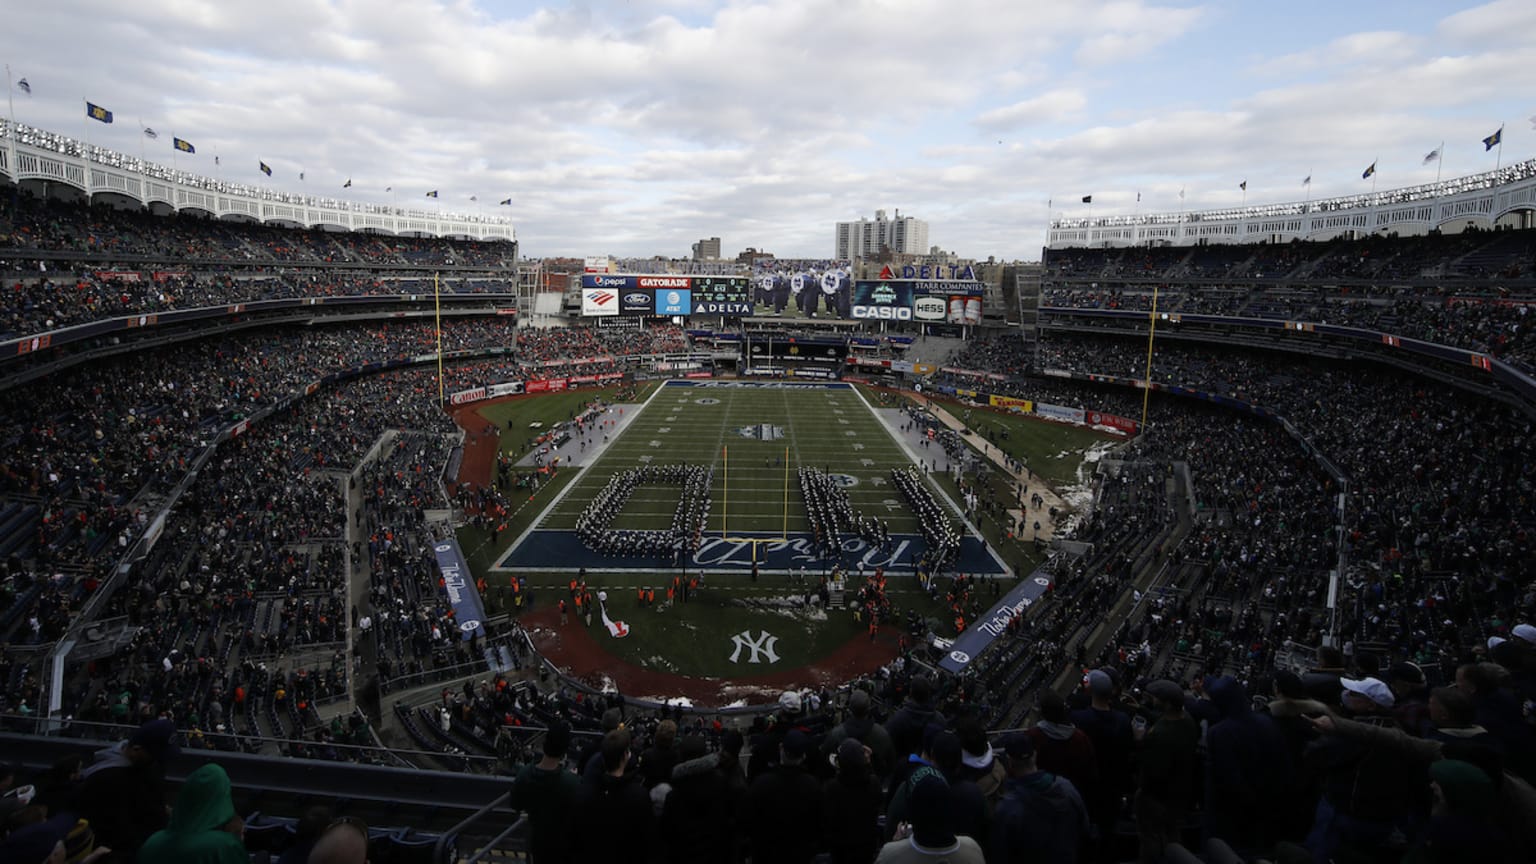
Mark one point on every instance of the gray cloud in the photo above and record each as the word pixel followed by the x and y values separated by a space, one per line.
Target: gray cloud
pixel 636 128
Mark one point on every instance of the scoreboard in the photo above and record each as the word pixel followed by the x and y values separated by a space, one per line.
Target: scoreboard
pixel 622 294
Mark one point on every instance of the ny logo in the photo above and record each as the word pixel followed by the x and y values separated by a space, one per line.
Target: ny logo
pixel 762 646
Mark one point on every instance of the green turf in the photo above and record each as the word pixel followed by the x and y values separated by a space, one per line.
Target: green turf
pixel 755 485
pixel 1054 451
pixel 480 550
pixel 694 638
pixel 831 429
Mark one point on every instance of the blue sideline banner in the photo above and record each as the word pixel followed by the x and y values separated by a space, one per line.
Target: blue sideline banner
pixel 467 608
pixel 969 645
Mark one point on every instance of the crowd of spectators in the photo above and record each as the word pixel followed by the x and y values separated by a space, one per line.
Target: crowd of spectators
pixel 1469 256
pixel 33 225
pixel 1473 290
pixel 256 543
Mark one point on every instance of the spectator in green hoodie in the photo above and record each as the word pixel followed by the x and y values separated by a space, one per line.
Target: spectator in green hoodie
pixel 546 792
pixel 204 828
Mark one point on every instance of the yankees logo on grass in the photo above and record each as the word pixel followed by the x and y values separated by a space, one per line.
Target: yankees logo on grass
pixel 762 646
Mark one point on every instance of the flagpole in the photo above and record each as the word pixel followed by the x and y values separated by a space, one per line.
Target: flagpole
pixel 786 494
pixel 1498 159
pixel 1374 163
pixel 437 304
pixel 1048 202
pixel 10 128
pixel 85 145
pixel 1146 388
pixel 1181 213
pixel 1307 202
pixel 1439 164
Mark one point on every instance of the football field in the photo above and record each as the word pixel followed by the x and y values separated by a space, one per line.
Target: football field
pixel 751 438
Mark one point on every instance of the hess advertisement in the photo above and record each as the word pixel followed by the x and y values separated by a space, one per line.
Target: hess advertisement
pixel 929 308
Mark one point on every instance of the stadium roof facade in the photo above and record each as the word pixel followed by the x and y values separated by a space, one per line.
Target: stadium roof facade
pixel 32 155
pixel 1477 200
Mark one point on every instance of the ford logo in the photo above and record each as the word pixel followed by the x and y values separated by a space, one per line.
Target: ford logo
pixel 637 298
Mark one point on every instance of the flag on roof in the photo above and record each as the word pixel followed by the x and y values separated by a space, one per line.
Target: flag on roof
pixel 1432 156
pixel 1087 199
pixel 506 202
pixel 1493 140
pixel 266 169
pixel 1366 174
pixel 432 194
pixel 96 112
pixel 24 87
pixel 348 184
pixel 183 145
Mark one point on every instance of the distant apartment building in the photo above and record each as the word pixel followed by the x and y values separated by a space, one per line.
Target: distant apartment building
pixel 866 238
pixel 707 250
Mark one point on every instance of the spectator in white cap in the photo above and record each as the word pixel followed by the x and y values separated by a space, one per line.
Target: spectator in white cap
pixel 1368 788
pixel 1526 632
pixel 1367 695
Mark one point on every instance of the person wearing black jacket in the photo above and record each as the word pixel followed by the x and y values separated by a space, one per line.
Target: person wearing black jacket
pixel 1249 777
pixel 698 818
pixel 784 807
pixel 613 819
pixel 852 806
pixel 1369 791
pixel 907 725
pixel 123 792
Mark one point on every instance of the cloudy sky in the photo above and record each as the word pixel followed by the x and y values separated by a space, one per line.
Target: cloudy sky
pixel 635 127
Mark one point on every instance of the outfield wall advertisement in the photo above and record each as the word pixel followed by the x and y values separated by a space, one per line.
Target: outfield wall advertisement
pixel 537 385
pixel 1060 412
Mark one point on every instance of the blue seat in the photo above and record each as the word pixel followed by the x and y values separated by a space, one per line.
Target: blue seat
pixel 412 847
